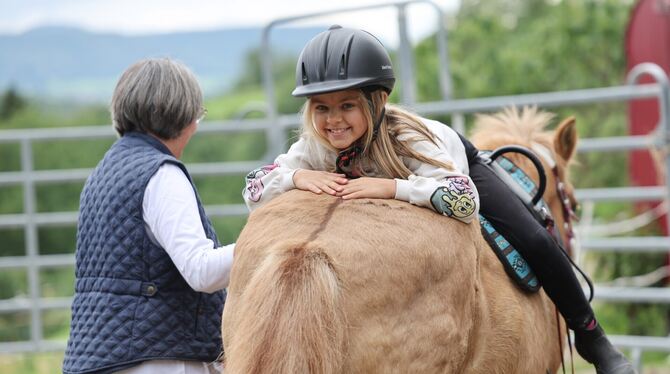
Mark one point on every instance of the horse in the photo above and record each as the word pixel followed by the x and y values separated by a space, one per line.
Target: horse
pixel 325 285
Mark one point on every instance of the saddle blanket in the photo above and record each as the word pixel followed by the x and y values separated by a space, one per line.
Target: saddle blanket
pixel 513 262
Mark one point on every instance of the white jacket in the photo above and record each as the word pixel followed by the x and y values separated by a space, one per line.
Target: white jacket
pixel 451 193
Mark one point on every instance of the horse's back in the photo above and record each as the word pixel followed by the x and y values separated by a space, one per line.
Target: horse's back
pixel 405 285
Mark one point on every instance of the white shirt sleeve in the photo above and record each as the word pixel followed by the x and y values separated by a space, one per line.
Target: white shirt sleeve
pixel 170 211
pixel 267 182
pixel 451 193
pixel 173 367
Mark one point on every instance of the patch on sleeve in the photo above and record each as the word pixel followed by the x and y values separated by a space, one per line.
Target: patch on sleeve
pixel 255 184
pixel 455 198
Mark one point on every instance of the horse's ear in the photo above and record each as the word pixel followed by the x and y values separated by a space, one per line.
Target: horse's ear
pixel 565 138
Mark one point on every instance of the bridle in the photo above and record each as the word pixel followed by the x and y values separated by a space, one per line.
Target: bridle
pixel 567 209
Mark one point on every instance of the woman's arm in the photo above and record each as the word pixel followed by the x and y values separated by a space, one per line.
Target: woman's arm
pixel 170 212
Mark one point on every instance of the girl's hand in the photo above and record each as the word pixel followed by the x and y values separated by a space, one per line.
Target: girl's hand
pixel 365 187
pixel 319 181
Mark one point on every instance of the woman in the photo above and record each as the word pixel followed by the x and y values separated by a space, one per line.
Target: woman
pixel 149 276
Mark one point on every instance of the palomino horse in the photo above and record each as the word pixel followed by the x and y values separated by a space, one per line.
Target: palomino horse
pixel 323 285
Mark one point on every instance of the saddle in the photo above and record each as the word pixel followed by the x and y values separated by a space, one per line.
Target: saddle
pixel 524 187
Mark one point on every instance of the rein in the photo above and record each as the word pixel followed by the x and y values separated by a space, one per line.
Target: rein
pixel 567 211
pixel 568 216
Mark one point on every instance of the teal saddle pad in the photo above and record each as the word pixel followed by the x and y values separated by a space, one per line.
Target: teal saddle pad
pixel 513 262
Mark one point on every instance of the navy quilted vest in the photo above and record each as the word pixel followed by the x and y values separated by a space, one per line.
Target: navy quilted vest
pixel 130 303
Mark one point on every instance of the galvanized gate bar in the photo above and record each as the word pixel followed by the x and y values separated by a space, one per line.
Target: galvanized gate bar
pixel 633 194
pixel 70 218
pixel 39 219
pixel 49 261
pixel 653 343
pixel 543 99
pixel 25 304
pixel 74 175
pixel 652 295
pixel 617 143
pixel 92 132
pixel 638 244
pixel 22 347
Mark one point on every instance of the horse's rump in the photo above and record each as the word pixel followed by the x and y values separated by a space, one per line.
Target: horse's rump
pixel 323 285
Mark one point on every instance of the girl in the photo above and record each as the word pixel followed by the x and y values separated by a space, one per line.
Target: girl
pixel 403 157
pixel 355 145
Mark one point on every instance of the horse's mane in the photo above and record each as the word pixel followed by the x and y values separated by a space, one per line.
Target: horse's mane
pixel 512 126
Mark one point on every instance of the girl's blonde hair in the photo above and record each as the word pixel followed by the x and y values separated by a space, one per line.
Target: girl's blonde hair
pixel 384 152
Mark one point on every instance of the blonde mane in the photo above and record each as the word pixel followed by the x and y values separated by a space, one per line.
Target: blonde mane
pixel 526 127
pixel 512 126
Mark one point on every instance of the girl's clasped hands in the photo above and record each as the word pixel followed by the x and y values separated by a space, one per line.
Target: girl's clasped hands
pixel 338 185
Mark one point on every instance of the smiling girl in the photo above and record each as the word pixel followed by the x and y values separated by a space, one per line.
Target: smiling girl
pixel 356 145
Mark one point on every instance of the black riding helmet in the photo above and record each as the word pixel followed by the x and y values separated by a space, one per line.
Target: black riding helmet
pixel 342 58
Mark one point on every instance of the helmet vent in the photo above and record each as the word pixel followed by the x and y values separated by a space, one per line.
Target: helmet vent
pixel 322 72
pixel 305 77
pixel 342 71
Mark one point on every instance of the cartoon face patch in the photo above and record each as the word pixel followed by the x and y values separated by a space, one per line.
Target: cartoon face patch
pixel 455 198
pixel 254 182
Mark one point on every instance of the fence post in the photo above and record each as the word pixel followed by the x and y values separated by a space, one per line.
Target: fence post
pixel 276 138
pixel 406 58
pixel 31 245
pixel 663 127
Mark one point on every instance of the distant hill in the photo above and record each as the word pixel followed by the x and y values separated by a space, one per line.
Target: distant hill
pixel 67 63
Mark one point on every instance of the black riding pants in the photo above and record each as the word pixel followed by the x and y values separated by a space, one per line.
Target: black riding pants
pixel 510 217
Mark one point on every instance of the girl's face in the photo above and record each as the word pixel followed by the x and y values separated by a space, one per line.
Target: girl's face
pixel 339 118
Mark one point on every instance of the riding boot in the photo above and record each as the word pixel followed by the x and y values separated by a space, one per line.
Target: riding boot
pixel 593 345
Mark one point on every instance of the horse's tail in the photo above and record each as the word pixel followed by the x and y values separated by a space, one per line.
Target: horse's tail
pixel 290 317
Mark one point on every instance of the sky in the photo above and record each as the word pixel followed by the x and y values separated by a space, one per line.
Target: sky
pixel 139 17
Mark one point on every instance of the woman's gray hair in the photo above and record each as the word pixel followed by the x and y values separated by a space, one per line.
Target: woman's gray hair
pixel 157 96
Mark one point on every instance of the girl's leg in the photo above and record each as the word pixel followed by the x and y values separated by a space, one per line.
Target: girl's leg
pixel 510 217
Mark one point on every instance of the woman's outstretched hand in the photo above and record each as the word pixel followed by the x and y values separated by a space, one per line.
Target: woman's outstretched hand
pixel 366 187
pixel 319 181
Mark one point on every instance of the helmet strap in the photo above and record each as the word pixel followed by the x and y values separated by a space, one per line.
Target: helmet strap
pixel 345 162
pixel 346 159
pixel 377 121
